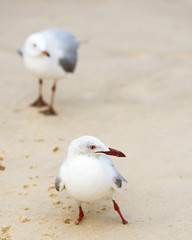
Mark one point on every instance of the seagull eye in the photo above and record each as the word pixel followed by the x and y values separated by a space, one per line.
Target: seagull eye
pixel 34 45
pixel 92 147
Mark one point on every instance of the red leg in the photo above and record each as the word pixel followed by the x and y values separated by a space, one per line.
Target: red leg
pixel 81 215
pixel 116 207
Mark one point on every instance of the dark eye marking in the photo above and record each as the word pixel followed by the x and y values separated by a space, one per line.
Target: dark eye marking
pixel 92 147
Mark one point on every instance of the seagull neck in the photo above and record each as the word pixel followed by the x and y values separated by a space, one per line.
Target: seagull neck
pixel 74 156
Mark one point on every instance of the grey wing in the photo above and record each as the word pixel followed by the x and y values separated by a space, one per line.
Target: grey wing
pixel 118 178
pixel 68 58
pixel 69 46
pixel 65 45
pixel 60 179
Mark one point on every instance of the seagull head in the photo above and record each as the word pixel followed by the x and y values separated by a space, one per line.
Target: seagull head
pixel 91 147
pixel 35 46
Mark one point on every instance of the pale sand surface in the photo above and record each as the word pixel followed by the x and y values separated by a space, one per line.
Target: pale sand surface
pixel 132 89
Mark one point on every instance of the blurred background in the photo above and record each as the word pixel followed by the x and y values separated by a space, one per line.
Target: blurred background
pixel 132 89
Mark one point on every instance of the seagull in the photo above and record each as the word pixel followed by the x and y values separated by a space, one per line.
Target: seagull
pixel 88 174
pixel 49 54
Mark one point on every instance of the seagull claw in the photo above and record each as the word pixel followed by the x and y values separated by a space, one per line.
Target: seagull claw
pixel 77 222
pixel 124 221
pixel 49 111
pixel 39 103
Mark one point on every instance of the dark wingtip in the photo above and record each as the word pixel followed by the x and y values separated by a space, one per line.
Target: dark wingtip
pixel 19 51
pixel 57 183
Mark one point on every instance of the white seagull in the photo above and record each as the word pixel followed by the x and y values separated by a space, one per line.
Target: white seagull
pixel 88 174
pixel 49 54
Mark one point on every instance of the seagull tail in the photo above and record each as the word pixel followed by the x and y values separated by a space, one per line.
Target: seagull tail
pixel 20 51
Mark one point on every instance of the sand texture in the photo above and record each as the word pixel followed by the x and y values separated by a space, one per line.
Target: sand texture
pixel 132 89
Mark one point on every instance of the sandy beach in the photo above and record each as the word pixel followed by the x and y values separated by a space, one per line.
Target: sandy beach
pixel 132 89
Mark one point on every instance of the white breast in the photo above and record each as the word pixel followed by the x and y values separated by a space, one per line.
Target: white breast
pixel 44 67
pixel 88 179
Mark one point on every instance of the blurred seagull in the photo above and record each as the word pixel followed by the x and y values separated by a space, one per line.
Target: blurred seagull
pixel 88 174
pixel 49 54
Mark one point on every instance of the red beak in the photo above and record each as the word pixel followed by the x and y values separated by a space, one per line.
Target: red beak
pixel 46 53
pixel 113 152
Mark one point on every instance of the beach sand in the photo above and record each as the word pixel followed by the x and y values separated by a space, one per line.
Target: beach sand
pixel 132 89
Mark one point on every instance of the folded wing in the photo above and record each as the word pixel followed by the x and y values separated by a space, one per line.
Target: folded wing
pixel 60 179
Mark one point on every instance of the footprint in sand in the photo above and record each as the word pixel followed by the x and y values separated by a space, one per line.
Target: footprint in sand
pixel 4 232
